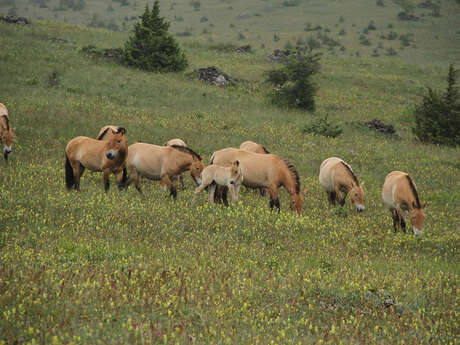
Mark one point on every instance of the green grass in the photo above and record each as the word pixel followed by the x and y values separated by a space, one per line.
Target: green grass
pixel 115 268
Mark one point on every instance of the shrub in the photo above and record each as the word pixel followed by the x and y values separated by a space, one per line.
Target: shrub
pixel 437 118
pixel 380 3
pixel 293 84
pixel 323 127
pixel 151 47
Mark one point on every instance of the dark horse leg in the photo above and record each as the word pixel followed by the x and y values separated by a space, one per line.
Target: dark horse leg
pixel 395 217
pixel 173 192
pixel 403 223
pixel 106 180
pixel 224 195
pixel 331 197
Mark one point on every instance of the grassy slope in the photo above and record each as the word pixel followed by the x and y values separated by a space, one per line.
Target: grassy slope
pixel 91 267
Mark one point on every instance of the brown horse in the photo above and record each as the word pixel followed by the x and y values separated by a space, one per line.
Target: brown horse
pixel 253 147
pixel 96 155
pixel 213 175
pixel 162 163
pixel 264 171
pixel 6 132
pixel 339 180
pixel 400 195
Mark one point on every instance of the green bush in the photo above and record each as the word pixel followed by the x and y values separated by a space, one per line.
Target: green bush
pixel 437 118
pixel 151 47
pixel 293 84
pixel 323 127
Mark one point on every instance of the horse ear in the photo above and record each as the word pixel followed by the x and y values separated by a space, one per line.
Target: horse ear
pixel 121 130
pixel 414 205
pixel 237 163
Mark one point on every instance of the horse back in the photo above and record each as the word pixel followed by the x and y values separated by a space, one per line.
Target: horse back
pixel 396 189
pixel 331 171
pixel 3 110
pixel 253 147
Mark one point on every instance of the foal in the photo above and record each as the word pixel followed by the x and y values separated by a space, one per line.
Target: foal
pixel 230 176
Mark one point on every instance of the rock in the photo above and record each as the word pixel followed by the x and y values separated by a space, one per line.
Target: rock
pixel 15 20
pixel 407 16
pixel 215 76
pixel 278 56
pixel 59 40
pixel 244 49
pixel 378 125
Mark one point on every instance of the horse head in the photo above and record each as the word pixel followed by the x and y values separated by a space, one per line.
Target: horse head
pixel 357 196
pixel 7 140
pixel 417 217
pixel 236 176
pixel 196 168
pixel 117 145
pixel 296 202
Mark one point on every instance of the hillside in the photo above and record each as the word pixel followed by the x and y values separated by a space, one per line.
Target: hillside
pixel 90 267
pixel 343 28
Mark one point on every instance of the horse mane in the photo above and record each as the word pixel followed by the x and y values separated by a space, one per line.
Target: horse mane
pixel 353 176
pixel 7 122
pixel 265 149
pixel 414 191
pixel 187 150
pixel 103 134
pixel 294 174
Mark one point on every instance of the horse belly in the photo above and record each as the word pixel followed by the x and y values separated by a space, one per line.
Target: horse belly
pixel 147 168
pixel 326 179
pixel 89 161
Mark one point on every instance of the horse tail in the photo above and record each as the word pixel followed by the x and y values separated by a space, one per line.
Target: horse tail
pixel 69 177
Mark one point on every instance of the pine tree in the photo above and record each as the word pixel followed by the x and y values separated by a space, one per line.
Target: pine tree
pixel 151 47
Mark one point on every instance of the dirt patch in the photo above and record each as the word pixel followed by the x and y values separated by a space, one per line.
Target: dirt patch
pixel 111 54
pixel 379 126
pixel 215 76
pixel 15 20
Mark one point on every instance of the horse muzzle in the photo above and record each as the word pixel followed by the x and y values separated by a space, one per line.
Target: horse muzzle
pixel 111 154
pixel 360 208
pixel 417 231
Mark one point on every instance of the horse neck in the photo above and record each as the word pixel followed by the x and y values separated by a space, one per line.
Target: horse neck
pixel 288 181
pixel 184 160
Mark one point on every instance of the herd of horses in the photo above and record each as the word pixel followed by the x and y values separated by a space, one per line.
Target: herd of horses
pixel 250 165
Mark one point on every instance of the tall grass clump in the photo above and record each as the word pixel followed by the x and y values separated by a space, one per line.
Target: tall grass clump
pixel 151 47
pixel 437 118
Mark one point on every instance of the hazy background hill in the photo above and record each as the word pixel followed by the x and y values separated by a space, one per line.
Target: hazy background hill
pixel 348 28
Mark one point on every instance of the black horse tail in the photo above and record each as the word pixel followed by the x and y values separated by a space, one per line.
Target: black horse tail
pixel 69 177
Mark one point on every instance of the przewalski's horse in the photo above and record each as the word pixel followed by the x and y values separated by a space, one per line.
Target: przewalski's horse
pixel 400 195
pixel 96 155
pixel 213 175
pixel 253 147
pixel 178 142
pixel 162 163
pixel 106 133
pixel 339 180
pixel 6 132
pixel 264 171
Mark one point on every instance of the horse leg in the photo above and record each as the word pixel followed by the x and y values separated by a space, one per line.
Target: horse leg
pixel 166 181
pixel 198 190
pixel 231 187
pixel 395 217
pixel 212 191
pixel 182 183
pixel 274 201
pixel 331 197
pixel 224 195
pixel 106 179
pixel 121 177
pixel 262 191
pixel 402 219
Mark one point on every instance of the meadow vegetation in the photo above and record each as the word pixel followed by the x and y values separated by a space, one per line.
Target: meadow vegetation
pixel 119 268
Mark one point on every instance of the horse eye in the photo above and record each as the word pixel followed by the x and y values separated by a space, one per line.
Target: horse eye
pixel 119 142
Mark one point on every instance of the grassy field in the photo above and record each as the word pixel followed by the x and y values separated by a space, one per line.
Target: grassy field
pixel 121 268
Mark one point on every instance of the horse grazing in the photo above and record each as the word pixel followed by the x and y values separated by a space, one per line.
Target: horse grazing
pixel 96 155
pixel 6 132
pixel 253 147
pixel 213 175
pixel 264 171
pixel 162 163
pixel 400 195
pixel 339 180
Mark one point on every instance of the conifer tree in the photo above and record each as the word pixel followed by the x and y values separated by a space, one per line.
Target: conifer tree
pixel 151 47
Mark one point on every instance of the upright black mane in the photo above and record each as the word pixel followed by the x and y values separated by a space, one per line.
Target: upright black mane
pixel 294 174
pixel 187 150
pixel 414 191
pixel 265 149
pixel 7 122
pixel 353 176
pixel 103 134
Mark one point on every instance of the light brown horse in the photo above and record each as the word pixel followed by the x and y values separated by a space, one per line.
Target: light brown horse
pixel 162 163
pixel 213 175
pixel 253 147
pixel 6 132
pixel 96 155
pixel 339 180
pixel 399 194
pixel 264 171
